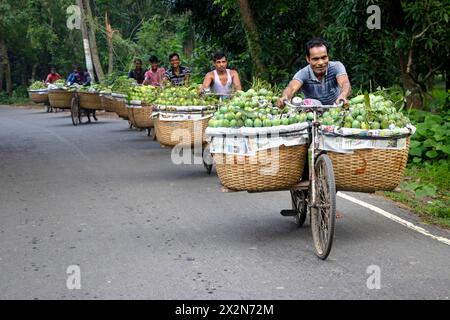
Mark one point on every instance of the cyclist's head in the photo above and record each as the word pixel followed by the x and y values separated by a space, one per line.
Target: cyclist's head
pixel 174 59
pixel 316 42
pixel 153 59
pixel 220 61
pixel 219 55
pixel 138 63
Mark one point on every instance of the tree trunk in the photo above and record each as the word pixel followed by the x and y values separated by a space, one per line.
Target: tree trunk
pixel 190 42
pixel 253 40
pixel 23 73
pixel 33 72
pixel 8 78
pixel 2 65
pixel 92 40
pixel 87 49
pixel 447 81
pixel 109 38
pixel 6 67
pixel 415 98
pixel 2 73
pixel 447 74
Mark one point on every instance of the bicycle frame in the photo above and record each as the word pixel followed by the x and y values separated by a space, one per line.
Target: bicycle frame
pixel 314 144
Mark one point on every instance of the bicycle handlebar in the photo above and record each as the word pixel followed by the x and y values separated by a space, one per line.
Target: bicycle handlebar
pixel 290 105
pixel 218 94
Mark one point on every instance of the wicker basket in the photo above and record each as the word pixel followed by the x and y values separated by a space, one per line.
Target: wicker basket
pixel 369 170
pixel 107 104
pixel 120 107
pixel 264 171
pixel 90 100
pixel 59 98
pixel 38 96
pixel 141 117
pixel 167 131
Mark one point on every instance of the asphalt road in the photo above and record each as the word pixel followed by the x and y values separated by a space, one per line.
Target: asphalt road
pixel 109 200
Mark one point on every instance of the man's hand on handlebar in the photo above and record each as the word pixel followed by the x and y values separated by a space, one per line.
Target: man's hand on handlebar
pixel 342 100
pixel 280 102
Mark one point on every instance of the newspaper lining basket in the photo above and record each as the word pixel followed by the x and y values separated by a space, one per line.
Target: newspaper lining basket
pixel 90 100
pixel 141 117
pixel 265 171
pixel 38 96
pixel 369 170
pixel 107 102
pixel 59 98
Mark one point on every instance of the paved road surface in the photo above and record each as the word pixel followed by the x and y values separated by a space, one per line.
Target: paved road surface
pixel 109 199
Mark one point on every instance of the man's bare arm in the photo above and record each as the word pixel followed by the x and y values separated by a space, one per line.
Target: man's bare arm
pixel 346 88
pixel 207 82
pixel 236 80
pixel 289 92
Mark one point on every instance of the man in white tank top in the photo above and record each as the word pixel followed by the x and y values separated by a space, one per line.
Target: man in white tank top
pixel 222 81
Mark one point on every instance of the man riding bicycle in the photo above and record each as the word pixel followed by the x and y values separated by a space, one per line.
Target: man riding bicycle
pixel 323 80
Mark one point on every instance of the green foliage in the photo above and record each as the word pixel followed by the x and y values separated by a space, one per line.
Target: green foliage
pixel 430 143
pixel 426 189
pixel 19 96
pixel 161 36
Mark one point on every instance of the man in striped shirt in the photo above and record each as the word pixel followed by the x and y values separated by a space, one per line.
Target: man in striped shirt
pixel 177 75
pixel 323 80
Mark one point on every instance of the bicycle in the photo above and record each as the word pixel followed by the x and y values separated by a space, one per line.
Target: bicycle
pixel 316 196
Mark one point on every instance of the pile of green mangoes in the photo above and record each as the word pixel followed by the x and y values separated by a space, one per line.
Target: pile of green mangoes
pixel 255 108
pixel 183 96
pixel 146 94
pixel 366 112
pixel 37 85
pixel 123 84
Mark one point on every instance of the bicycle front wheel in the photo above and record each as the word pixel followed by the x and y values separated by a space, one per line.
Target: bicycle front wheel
pixel 323 215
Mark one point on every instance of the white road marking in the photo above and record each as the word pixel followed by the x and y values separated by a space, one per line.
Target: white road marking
pixel 394 218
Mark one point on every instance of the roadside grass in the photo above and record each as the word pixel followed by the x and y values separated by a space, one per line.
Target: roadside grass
pixel 18 97
pixel 426 190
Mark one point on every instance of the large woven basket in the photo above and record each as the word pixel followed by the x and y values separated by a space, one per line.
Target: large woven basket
pixel 265 171
pixel 169 133
pixel 38 96
pixel 90 100
pixel 107 102
pixel 120 107
pixel 59 98
pixel 369 170
pixel 141 117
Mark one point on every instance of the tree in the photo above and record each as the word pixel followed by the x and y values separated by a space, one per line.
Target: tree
pixel 411 47
pixel 88 26
pixel 253 38
pixel 86 41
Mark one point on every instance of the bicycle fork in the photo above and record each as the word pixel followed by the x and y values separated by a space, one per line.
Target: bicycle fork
pixel 312 159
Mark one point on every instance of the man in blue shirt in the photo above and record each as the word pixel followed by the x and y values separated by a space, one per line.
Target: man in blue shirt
pixel 138 73
pixel 323 80
pixel 79 77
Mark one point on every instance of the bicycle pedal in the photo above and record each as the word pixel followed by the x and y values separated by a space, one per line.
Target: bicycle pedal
pixel 288 213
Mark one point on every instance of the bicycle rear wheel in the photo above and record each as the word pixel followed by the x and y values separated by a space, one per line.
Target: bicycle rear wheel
pixel 75 110
pixel 207 159
pixel 299 206
pixel 323 215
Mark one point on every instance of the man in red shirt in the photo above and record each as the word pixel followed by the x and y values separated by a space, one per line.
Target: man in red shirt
pixel 155 75
pixel 52 77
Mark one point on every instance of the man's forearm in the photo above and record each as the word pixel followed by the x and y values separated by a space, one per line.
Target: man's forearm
pixel 288 93
pixel 346 89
